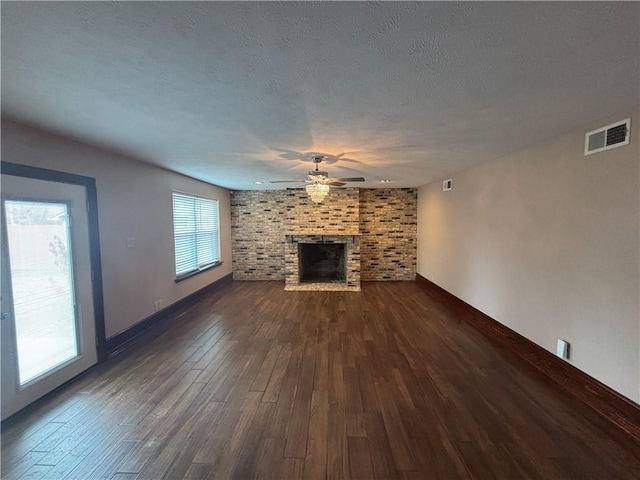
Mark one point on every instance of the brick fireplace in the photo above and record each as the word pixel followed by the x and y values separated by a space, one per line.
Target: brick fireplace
pixel 292 277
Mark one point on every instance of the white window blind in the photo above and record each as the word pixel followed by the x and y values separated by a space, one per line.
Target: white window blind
pixel 195 232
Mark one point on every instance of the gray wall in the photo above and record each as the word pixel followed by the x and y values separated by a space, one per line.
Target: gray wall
pixel 546 241
pixel 134 200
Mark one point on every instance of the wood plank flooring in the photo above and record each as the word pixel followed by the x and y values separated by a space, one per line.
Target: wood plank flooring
pixel 253 382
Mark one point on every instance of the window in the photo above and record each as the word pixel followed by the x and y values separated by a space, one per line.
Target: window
pixel 196 233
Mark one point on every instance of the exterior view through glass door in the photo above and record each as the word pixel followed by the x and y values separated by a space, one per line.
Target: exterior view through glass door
pixel 42 283
pixel 48 326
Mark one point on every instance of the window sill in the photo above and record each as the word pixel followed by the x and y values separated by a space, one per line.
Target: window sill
pixel 184 276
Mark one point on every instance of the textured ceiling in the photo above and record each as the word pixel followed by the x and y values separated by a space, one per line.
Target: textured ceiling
pixel 237 92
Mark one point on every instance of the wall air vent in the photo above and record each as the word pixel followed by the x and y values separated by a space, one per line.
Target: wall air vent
pixel 606 138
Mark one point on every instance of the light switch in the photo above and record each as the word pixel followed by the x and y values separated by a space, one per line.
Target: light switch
pixel 131 242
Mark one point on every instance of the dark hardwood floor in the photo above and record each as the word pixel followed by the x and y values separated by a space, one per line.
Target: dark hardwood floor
pixel 254 382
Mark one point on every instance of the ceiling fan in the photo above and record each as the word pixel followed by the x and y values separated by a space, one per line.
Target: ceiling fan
pixel 318 182
pixel 320 177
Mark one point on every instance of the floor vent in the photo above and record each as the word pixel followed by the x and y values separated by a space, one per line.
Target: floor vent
pixel 606 138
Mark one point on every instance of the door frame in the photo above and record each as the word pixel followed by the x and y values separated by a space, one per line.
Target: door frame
pixel 37 173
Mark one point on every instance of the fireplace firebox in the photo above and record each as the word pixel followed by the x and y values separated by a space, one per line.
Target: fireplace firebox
pixel 322 262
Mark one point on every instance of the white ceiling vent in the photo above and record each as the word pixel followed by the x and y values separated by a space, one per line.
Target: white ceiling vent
pixel 606 138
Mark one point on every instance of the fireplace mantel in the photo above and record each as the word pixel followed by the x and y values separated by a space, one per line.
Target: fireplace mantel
pixel 321 237
pixel 322 233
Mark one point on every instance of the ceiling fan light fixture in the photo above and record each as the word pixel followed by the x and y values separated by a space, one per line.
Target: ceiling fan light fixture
pixel 317 191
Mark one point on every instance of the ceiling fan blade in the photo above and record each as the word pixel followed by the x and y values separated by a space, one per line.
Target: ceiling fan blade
pixel 286 181
pixel 336 184
pixel 350 179
pixel 289 154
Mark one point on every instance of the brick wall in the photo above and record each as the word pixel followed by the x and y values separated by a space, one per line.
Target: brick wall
pixel 388 228
pixel 338 213
pixel 257 234
pixel 386 219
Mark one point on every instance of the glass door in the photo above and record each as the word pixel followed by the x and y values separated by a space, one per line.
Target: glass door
pixel 48 326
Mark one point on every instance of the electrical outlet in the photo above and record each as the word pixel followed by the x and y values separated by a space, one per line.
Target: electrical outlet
pixel 562 349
